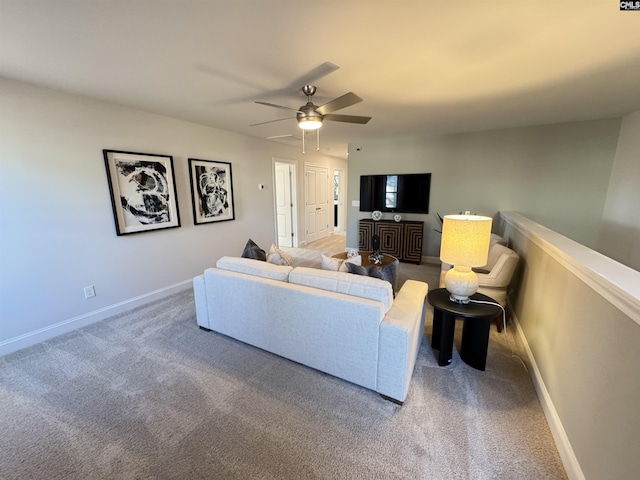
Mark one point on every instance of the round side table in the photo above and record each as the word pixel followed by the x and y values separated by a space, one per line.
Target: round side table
pixel 475 331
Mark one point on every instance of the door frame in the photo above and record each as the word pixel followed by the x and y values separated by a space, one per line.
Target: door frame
pixel 340 223
pixel 293 165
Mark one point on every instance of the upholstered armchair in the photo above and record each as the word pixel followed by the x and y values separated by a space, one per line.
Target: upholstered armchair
pixel 493 278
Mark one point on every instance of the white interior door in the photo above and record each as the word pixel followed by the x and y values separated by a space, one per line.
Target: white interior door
pixel 284 206
pixel 317 205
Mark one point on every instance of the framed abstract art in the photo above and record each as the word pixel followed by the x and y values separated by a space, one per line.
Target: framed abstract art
pixel 143 191
pixel 211 191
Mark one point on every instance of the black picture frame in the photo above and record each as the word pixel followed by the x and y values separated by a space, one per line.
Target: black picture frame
pixel 211 191
pixel 143 191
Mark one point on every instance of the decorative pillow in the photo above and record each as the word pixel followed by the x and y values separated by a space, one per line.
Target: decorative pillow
pixel 285 256
pixel 330 263
pixel 387 272
pixel 357 269
pixel 251 250
pixel 275 258
pixel 338 264
pixel 278 256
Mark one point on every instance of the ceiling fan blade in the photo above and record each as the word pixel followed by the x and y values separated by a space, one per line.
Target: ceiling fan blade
pixel 346 118
pixel 344 101
pixel 271 121
pixel 277 106
pixel 316 74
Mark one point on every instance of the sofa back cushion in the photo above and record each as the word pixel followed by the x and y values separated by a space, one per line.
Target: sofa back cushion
pixel 347 283
pixel 255 267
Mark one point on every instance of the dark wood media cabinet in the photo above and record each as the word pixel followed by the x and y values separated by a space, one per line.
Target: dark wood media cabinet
pixel 402 240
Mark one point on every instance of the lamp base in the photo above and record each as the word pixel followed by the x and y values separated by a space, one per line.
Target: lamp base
pixel 457 299
pixel 461 283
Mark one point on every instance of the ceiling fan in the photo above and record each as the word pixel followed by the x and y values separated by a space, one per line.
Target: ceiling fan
pixel 311 116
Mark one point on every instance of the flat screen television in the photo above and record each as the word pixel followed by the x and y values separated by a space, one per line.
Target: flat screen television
pixel 402 193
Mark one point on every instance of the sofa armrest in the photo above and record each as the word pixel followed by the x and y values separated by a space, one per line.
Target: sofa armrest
pixel 401 332
pixel 200 295
pixel 501 273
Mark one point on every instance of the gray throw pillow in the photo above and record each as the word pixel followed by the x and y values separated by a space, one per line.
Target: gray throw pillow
pixel 251 250
pixel 385 272
pixel 357 269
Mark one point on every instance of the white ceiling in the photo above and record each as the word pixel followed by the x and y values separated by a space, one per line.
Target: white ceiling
pixel 422 67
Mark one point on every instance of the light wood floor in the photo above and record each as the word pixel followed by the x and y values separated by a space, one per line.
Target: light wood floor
pixel 331 243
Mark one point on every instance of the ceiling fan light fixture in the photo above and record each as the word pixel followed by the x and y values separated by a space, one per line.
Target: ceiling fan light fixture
pixel 309 123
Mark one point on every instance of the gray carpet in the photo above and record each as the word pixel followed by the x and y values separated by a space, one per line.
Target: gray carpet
pixel 149 395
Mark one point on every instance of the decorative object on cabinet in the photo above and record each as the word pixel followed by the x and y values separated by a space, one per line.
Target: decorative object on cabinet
pixel 375 243
pixel 376 215
pixel 211 191
pixel 143 191
pixel 397 217
pixel 402 240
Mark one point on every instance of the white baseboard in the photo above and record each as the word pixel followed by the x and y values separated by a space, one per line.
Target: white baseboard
pixel 569 459
pixel 46 333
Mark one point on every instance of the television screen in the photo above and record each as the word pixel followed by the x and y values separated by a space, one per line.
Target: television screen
pixel 403 193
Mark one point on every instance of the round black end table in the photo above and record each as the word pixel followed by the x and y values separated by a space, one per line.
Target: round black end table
pixel 475 331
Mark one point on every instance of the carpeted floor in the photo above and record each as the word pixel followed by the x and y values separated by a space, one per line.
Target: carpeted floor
pixel 149 395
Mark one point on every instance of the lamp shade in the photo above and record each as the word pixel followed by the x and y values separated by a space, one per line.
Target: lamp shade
pixel 465 240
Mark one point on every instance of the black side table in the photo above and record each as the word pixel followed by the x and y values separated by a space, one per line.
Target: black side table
pixel 475 331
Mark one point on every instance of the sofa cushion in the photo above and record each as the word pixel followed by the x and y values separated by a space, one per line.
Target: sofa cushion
pixel 339 264
pixel 342 282
pixel 252 250
pixel 255 267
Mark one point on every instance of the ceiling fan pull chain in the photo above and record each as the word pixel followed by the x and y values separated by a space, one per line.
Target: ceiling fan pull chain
pixel 318 139
pixel 303 135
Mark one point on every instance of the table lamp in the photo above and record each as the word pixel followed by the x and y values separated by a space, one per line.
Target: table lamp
pixel 465 244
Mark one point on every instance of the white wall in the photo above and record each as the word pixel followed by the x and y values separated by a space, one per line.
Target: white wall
pixel 620 233
pixel 557 175
pixel 57 233
pixel 578 315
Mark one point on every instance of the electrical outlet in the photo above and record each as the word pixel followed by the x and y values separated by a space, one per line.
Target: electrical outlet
pixel 89 291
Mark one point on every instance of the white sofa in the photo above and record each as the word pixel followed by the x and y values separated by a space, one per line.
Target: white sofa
pixel 346 325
